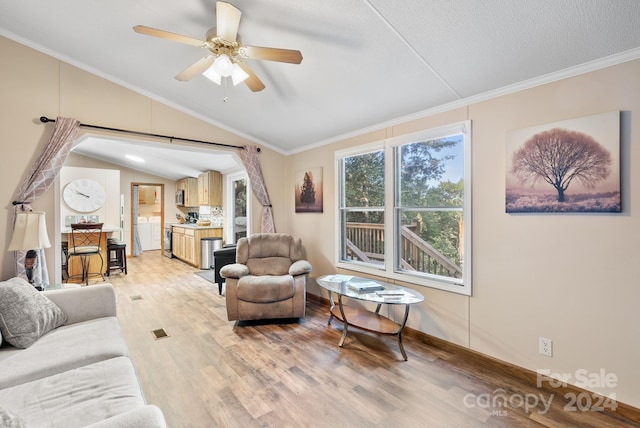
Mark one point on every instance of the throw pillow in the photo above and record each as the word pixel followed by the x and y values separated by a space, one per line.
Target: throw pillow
pixel 25 314
pixel 9 420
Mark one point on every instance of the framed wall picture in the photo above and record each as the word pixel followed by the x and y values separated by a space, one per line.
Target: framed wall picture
pixel 308 191
pixel 567 166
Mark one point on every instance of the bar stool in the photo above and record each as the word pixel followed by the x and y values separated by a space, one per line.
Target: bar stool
pixel 117 251
pixel 85 242
pixel 65 260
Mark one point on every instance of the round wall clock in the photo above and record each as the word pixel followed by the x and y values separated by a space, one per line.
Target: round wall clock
pixel 84 195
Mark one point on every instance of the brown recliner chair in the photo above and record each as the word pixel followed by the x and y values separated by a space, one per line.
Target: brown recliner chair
pixel 269 278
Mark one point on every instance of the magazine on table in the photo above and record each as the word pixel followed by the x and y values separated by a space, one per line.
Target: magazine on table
pixel 338 278
pixel 365 286
pixel 392 293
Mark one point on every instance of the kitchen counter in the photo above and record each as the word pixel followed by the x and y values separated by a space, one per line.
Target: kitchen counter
pixel 195 226
pixel 186 240
pixel 107 228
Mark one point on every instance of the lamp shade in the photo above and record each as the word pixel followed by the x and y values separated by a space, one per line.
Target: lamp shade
pixel 30 231
pixel 238 75
pixel 222 65
pixel 211 74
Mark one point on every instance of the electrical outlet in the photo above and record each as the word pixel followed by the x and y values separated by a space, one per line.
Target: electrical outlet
pixel 545 346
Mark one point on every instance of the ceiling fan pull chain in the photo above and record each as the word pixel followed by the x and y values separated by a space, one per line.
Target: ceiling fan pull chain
pixel 224 85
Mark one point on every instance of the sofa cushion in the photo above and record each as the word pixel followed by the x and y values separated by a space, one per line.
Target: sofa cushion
pixel 25 314
pixel 65 348
pixel 76 398
pixel 9 420
pixel 265 289
pixel 149 416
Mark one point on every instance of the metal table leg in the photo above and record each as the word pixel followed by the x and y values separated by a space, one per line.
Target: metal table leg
pixel 404 321
pixel 333 305
pixel 344 322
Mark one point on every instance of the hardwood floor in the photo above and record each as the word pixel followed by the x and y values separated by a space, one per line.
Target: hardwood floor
pixel 210 372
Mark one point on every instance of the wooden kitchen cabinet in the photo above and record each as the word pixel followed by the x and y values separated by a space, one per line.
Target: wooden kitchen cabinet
pixel 190 246
pixel 177 244
pixel 186 242
pixel 190 187
pixel 210 189
pixel 147 195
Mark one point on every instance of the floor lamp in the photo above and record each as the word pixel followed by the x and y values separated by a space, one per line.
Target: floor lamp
pixel 30 234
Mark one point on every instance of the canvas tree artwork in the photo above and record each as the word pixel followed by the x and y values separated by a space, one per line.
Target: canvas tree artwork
pixel 308 191
pixel 568 166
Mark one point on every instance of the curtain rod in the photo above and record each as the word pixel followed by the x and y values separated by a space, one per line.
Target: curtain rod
pixel 45 119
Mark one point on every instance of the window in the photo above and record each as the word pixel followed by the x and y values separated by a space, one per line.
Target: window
pixel 416 189
pixel 362 209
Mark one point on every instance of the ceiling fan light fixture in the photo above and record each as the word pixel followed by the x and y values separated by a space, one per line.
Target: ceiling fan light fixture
pixel 238 75
pixel 223 65
pixel 211 74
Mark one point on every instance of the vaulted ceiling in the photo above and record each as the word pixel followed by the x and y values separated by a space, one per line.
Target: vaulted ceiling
pixel 366 62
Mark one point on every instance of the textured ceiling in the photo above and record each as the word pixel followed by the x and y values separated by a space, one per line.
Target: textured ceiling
pixel 366 62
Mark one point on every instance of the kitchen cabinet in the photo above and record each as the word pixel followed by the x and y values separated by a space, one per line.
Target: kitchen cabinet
pixel 210 189
pixel 190 247
pixel 147 195
pixel 177 242
pixel 190 187
pixel 186 242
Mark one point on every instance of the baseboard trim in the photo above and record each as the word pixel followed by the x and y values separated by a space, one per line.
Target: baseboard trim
pixel 479 359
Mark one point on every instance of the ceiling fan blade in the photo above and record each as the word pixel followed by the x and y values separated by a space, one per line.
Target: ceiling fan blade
pixel 170 36
pixel 253 82
pixel 227 21
pixel 272 54
pixel 196 68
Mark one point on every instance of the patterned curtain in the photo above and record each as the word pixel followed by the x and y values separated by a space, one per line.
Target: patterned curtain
pixel 251 162
pixel 43 173
pixel 137 244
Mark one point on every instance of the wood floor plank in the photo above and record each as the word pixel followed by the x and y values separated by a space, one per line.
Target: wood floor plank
pixel 211 372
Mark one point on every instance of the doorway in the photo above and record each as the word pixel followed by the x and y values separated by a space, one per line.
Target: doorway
pixel 147 217
pixel 237 207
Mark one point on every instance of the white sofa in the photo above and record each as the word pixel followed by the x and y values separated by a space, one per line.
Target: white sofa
pixel 78 374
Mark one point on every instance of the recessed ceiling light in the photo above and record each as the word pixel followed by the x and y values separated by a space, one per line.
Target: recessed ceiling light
pixel 134 158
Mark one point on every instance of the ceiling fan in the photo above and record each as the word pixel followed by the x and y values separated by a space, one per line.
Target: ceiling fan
pixel 227 53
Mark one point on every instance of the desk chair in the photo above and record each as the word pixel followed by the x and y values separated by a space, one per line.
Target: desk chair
pixel 85 243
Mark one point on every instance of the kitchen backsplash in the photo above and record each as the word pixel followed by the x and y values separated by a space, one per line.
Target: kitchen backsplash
pixel 211 213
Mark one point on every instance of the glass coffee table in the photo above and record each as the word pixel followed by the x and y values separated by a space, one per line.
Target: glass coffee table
pixel 368 290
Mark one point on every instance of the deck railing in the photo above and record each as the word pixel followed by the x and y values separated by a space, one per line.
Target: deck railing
pixel 365 242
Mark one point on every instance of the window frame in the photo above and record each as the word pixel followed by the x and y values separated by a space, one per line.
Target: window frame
pixel 391 223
